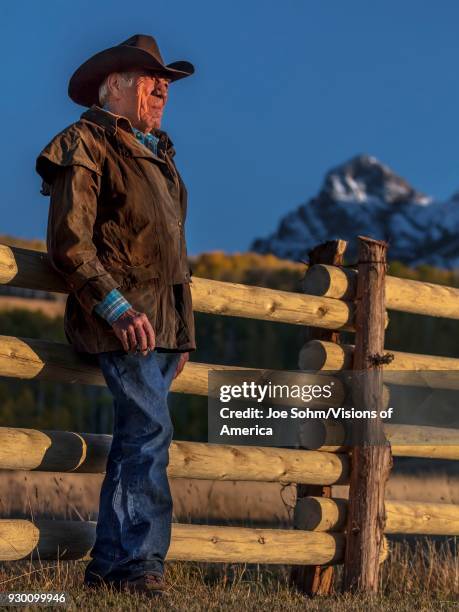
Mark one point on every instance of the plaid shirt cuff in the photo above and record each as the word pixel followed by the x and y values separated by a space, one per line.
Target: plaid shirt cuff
pixel 112 306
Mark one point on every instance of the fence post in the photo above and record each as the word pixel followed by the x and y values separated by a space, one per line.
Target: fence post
pixel 318 580
pixel 371 462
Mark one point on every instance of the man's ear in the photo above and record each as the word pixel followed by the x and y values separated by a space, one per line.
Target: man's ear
pixel 114 84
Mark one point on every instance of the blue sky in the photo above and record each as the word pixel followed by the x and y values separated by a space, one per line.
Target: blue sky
pixel 283 91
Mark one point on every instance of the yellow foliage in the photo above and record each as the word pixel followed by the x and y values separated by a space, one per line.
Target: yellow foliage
pixel 24 243
pixel 250 269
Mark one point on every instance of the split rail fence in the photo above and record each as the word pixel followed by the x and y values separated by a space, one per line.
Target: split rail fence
pixel 323 525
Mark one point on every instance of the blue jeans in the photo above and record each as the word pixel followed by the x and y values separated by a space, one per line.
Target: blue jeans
pixel 135 512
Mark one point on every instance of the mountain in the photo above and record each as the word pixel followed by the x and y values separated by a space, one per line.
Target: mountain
pixel 363 196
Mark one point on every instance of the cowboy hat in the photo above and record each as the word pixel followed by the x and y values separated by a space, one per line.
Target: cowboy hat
pixel 140 52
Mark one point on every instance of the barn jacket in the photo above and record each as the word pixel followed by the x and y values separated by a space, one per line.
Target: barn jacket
pixel 116 220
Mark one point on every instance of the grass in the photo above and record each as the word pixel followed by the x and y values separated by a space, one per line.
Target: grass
pixel 420 577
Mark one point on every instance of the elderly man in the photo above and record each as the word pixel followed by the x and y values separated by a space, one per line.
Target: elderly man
pixel 116 235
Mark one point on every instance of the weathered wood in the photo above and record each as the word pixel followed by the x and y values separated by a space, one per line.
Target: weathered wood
pixel 319 355
pixel 217 297
pixel 244 545
pixel 401 294
pixel 371 459
pixel 65 451
pixel 322 355
pixel 30 358
pixel 53 451
pixel 28 269
pixel 405 440
pixel 318 580
pixel 422 518
pixel 49 540
pixel 267 464
pixel 319 514
pixel 324 435
pixel 21 539
pixel 32 270
pixel 331 281
pixel 415 361
pixel 423 441
pixel 432 379
pixel 331 252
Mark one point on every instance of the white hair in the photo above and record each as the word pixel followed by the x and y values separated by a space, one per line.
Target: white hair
pixel 127 78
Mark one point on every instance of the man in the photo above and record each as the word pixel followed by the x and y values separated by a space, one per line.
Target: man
pixel 116 235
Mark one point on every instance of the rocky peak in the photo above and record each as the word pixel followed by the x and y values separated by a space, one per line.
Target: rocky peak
pixel 364 178
pixel 363 196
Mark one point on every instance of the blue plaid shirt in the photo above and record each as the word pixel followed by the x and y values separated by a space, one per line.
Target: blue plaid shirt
pixel 149 140
pixel 114 304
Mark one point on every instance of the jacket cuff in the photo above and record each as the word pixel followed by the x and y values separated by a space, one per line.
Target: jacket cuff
pixel 112 306
pixel 90 283
pixel 94 291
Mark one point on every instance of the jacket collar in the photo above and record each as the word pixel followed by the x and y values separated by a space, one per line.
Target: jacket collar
pixel 111 122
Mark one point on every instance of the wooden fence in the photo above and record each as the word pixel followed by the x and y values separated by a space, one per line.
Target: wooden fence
pixel 325 528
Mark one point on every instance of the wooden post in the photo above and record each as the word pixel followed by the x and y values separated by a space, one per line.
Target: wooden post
pixel 318 580
pixel 371 460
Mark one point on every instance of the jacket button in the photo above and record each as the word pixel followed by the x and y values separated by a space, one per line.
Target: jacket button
pixel 180 224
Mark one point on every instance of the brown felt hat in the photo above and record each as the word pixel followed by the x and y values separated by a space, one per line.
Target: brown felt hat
pixel 140 52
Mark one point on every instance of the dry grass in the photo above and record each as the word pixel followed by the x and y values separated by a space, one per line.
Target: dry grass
pixel 420 577
pixel 423 578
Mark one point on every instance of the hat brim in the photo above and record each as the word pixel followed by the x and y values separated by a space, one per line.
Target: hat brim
pixel 85 82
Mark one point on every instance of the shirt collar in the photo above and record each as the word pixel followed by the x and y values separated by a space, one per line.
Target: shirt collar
pixel 112 123
pixel 106 119
pixel 148 140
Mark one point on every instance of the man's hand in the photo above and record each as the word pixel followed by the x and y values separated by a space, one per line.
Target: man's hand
pixel 181 364
pixel 134 330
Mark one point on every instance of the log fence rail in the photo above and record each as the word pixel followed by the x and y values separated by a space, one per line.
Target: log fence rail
pixel 330 302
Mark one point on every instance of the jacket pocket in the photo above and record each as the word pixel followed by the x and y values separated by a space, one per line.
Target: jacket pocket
pixel 128 276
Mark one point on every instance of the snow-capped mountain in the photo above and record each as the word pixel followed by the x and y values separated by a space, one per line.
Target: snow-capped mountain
pixel 363 196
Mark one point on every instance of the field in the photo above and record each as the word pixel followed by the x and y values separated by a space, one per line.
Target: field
pixel 421 575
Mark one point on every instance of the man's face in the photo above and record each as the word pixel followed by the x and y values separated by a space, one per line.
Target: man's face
pixel 144 101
